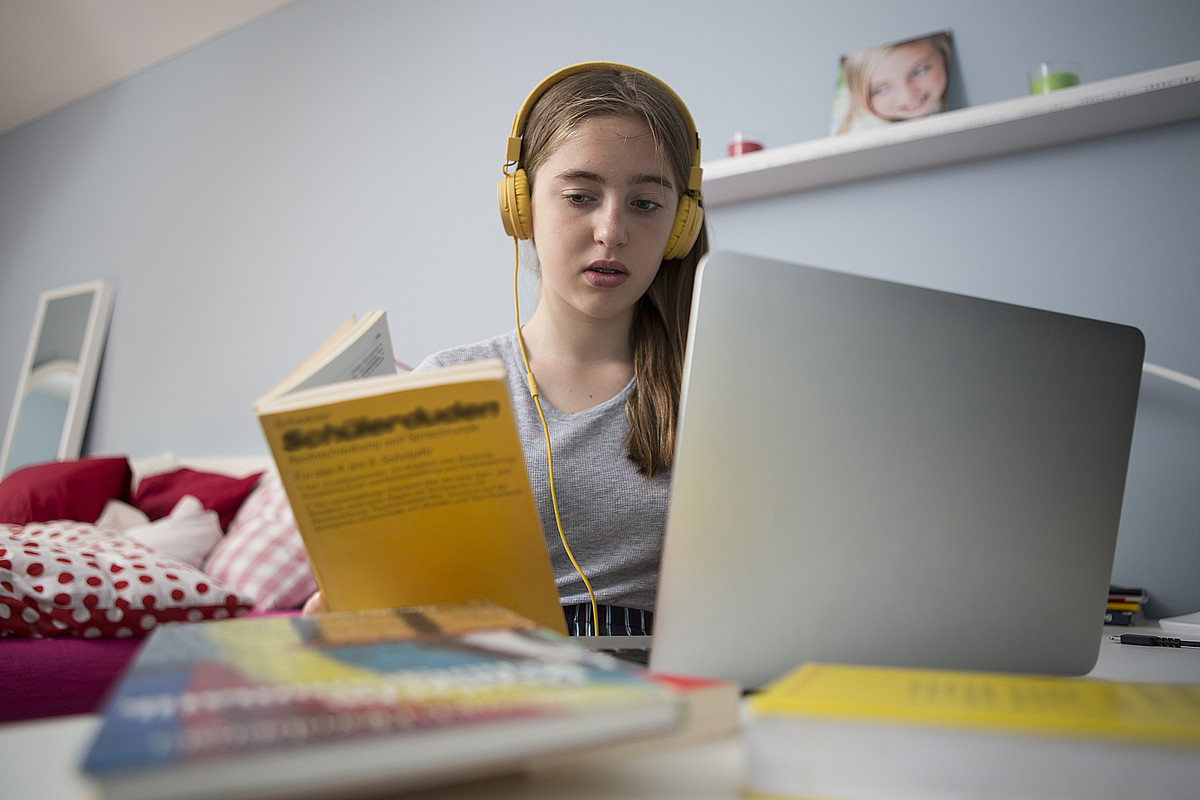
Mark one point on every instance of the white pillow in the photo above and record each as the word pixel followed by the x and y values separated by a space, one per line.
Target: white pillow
pixel 187 534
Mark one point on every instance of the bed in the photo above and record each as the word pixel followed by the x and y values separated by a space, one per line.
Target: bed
pixel 97 552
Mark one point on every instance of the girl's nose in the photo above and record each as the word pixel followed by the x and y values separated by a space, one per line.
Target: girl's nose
pixel 611 228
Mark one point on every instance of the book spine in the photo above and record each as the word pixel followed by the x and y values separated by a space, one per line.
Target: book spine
pixel 1122 606
pixel 1127 594
pixel 1122 617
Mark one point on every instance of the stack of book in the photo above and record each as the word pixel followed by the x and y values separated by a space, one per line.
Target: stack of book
pixel 1126 605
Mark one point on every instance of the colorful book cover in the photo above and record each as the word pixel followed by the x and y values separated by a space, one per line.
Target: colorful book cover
pixel 480 683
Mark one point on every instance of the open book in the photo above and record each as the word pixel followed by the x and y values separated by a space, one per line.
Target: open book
pixel 408 489
pixel 359 348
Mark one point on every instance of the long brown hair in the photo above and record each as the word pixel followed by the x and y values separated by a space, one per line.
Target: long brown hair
pixel 660 325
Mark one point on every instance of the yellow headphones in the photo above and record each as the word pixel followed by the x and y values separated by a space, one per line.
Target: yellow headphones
pixel 513 190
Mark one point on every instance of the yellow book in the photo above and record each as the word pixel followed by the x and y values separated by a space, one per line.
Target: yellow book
pixel 411 489
pixel 1114 605
pixel 860 733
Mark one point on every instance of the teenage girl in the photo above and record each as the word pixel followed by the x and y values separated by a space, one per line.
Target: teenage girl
pixel 603 177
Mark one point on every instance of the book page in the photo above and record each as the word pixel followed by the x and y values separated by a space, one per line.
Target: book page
pixel 357 349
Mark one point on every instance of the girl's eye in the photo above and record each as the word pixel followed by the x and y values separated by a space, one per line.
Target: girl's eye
pixel 576 199
pixel 646 205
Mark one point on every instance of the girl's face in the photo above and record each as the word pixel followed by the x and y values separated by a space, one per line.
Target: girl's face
pixel 908 82
pixel 603 206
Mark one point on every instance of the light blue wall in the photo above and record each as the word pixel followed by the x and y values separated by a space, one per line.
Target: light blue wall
pixel 340 156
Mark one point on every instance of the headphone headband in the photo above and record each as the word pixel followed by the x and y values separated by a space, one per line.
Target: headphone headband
pixel 513 191
pixel 513 151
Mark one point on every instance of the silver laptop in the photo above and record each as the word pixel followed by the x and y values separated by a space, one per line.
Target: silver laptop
pixel 869 472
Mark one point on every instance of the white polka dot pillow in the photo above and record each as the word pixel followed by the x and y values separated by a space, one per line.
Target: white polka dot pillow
pixel 73 578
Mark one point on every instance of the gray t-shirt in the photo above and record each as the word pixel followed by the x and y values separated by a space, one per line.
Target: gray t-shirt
pixel 612 517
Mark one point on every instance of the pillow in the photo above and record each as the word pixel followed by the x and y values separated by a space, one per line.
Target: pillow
pixel 75 490
pixel 262 554
pixel 120 516
pixel 187 534
pixel 156 495
pixel 73 578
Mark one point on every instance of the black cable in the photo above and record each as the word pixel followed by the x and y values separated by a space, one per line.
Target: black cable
pixel 1153 641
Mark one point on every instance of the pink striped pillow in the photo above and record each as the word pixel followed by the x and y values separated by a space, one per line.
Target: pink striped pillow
pixel 262 554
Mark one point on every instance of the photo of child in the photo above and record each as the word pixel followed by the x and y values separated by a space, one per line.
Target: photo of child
pixel 892 83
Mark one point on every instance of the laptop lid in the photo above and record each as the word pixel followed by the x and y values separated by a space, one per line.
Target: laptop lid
pixel 870 472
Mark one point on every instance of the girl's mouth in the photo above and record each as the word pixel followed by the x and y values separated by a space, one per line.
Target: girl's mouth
pixel 606 274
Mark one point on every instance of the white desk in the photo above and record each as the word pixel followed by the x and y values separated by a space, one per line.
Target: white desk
pixel 40 758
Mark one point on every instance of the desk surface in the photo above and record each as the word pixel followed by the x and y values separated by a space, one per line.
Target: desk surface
pixel 40 758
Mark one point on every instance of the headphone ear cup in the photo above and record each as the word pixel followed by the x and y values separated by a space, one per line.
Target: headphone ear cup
pixel 515 202
pixel 684 233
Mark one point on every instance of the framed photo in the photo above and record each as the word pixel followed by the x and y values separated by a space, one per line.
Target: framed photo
pixel 892 82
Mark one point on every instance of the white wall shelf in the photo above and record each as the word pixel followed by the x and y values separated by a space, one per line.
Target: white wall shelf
pixel 1101 108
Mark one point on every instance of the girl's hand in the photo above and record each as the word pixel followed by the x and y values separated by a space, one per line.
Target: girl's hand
pixel 315 604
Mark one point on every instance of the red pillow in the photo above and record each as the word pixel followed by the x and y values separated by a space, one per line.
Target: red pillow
pixel 157 495
pixel 75 490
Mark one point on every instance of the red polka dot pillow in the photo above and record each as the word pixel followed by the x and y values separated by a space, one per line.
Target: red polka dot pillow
pixel 72 578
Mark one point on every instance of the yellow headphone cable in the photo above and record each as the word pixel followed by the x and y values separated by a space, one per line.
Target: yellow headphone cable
pixel 533 391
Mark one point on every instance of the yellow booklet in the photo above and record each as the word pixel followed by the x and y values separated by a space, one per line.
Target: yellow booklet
pixel 411 489
pixel 862 732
